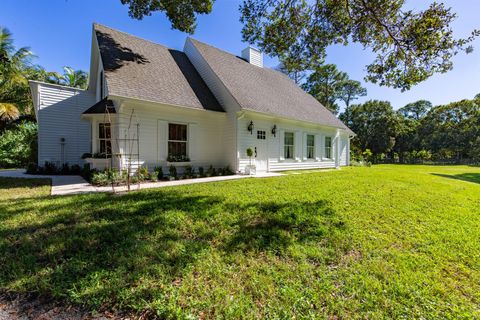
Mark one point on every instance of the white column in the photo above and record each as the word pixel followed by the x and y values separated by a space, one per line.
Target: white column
pixel 337 149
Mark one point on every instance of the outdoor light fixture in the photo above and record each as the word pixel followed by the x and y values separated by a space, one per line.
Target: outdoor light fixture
pixel 250 127
pixel 274 130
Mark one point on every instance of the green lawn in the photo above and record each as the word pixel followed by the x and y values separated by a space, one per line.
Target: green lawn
pixel 387 241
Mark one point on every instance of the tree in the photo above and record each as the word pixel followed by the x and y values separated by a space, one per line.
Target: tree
pixel 324 83
pixel 12 80
pixel 350 90
pixel 181 13
pixel 375 124
pixel 73 78
pixel 454 128
pixel 415 110
pixel 477 96
pixel 410 46
pixel 294 69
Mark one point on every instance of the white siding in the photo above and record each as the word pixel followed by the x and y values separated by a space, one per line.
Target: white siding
pixel 206 143
pixel 223 96
pixel 59 110
pixel 276 161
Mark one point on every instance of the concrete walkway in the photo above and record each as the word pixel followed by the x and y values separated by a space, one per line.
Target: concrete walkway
pixel 66 185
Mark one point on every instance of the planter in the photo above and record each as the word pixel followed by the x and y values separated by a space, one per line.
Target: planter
pixel 99 163
pixel 179 164
pixel 250 170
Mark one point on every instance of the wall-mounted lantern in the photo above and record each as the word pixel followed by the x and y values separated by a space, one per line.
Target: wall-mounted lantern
pixel 250 127
pixel 274 130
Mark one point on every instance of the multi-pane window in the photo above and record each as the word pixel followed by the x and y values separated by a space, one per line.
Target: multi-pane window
pixel 261 134
pixel 177 142
pixel 105 138
pixel 328 147
pixel 310 146
pixel 288 145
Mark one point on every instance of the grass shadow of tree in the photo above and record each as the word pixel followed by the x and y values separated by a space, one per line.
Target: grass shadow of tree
pixel 103 250
pixel 469 177
pixel 275 227
pixel 97 246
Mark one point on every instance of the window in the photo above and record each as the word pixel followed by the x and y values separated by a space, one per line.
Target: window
pixel 310 146
pixel 177 142
pixel 105 138
pixel 261 135
pixel 288 145
pixel 328 147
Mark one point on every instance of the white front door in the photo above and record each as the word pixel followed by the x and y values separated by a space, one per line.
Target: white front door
pixel 261 150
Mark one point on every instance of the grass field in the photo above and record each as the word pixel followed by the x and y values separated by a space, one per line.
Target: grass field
pixel 387 241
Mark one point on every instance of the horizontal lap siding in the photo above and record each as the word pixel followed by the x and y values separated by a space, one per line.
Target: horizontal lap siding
pixel 59 116
pixel 209 128
pixel 275 146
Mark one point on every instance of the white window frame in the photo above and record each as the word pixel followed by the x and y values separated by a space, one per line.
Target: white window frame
pixel 330 148
pixel 292 154
pixel 312 147
pixel 181 141
pixel 99 140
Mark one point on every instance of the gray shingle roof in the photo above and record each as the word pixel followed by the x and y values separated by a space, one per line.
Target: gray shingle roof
pixel 137 68
pixel 265 90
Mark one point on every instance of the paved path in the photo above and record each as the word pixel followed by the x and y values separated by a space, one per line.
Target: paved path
pixel 65 185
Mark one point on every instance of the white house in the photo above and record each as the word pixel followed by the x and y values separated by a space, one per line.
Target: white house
pixel 150 105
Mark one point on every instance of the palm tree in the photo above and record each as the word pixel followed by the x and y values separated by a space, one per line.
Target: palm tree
pixel 74 78
pixel 12 79
pixel 8 112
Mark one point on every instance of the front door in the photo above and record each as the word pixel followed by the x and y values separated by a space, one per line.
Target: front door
pixel 261 151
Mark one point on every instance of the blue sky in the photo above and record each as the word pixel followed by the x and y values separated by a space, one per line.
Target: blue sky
pixel 59 33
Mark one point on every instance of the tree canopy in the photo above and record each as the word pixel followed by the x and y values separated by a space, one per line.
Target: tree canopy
pixel 410 46
pixel 181 13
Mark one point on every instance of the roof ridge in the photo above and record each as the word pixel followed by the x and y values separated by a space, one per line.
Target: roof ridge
pixel 131 35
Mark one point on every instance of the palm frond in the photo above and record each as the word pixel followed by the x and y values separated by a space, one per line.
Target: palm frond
pixel 8 111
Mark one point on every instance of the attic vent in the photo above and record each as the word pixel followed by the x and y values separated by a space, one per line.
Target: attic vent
pixel 254 56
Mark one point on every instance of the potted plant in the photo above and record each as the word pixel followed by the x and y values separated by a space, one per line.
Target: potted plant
pixel 250 169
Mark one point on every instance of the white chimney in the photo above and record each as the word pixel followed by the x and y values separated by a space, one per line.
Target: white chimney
pixel 254 56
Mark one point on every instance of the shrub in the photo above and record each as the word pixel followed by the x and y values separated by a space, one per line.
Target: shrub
pixel 227 171
pixel 75 169
pixel 32 168
pixel 173 172
pixel 18 145
pixel 159 172
pixel 65 169
pixel 211 171
pixel 100 179
pixel 50 168
pixel 188 174
pixel 142 173
pixel 201 172
pixel 153 177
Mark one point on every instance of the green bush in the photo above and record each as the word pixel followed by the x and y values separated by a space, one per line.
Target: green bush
pixel 142 173
pixel 100 179
pixel 18 145
pixel 189 172
pixel 173 172
pixel 201 172
pixel 159 172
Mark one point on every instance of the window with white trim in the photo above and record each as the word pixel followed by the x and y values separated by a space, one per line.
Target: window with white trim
pixel 288 145
pixel 310 146
pixel 177 142
pixel 328 147
pixel 105 138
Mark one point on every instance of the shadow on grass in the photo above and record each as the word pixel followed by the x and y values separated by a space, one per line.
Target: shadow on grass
pixel 470 177
pixel 109 251
pixel 13 183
